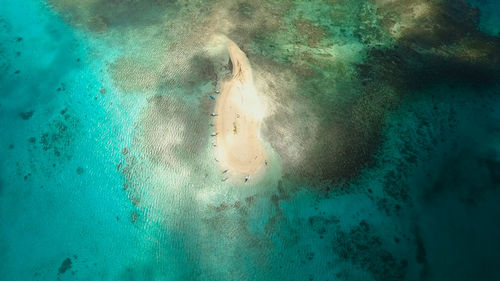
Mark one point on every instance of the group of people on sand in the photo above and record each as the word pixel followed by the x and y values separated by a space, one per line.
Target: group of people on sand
pixel 213 114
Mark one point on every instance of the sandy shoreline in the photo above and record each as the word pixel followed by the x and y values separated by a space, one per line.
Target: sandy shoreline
pixel 239 147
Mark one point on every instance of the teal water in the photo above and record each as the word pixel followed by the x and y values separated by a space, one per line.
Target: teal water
pixel 489 20
pixel 60 192
pixel 389 172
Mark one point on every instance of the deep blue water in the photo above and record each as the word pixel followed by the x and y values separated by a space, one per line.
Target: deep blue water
pixel 426 208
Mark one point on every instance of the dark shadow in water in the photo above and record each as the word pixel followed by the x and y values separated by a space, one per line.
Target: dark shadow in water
pixel 445 47
pixel 98 16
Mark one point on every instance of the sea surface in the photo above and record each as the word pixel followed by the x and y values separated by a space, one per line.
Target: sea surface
pixel 382 129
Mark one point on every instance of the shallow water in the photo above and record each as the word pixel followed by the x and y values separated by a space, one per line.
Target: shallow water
pixel 382 130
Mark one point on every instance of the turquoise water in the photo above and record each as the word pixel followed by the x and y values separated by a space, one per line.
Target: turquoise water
pixel 489 20
pixel 60 190
pixel 380 169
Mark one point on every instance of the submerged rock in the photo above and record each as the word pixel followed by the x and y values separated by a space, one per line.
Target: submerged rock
pixel 66 264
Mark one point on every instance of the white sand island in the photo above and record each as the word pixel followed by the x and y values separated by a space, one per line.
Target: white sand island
pixel 239 147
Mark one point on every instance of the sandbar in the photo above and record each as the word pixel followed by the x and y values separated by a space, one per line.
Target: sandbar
pixel 239 147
